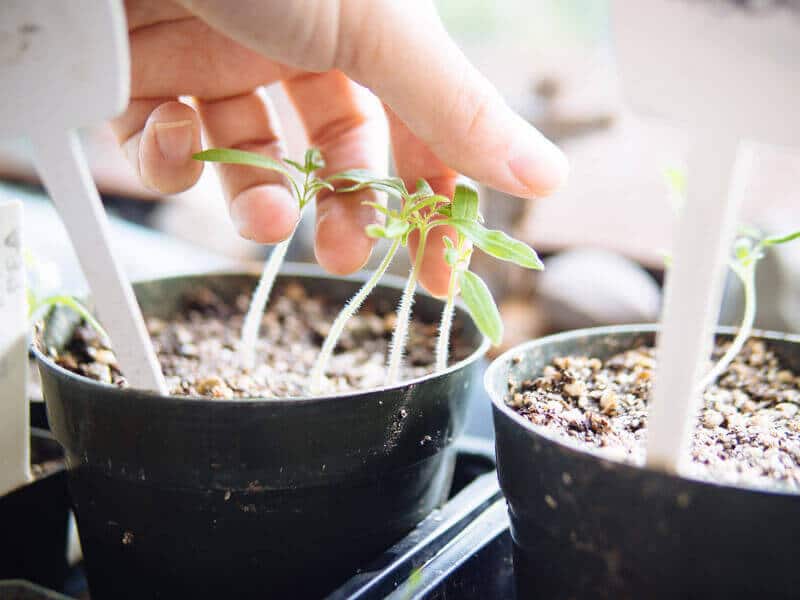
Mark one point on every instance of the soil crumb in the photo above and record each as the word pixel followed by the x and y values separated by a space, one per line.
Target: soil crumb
pixel 748 431
pixel 199 348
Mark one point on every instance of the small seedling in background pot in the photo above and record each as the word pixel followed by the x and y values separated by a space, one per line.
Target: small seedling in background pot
pixel 464 216
pixel 748 249
pixel 417 214
pixel 42 279
pixel 305 190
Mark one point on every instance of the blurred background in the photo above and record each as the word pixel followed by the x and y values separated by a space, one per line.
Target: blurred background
pixel 604 235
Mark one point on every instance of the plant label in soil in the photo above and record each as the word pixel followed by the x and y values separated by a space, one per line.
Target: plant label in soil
pixel 14 428
pixel 68 65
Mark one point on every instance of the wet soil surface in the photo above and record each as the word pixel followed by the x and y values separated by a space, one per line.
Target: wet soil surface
pixel 748 431
pixel 198 350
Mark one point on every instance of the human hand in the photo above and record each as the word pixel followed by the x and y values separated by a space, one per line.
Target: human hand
pixel 444 117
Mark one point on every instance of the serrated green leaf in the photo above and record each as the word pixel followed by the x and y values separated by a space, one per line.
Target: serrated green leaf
pixel 780 239
pixel 498 244
pixel 465 203
pixel 313 160
pixel 481 306
pixel 422 203
pixel 423 188
pixel 362 179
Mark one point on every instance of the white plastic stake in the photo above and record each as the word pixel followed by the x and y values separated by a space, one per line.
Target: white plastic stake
pixel 65 65
pixel 14 417
pixel 693 294
pixel 66 176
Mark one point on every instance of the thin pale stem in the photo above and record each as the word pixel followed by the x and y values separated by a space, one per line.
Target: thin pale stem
pixel 258 303
pixel 747 276
pixel 400 335
pixel 443 342
pixel 337 327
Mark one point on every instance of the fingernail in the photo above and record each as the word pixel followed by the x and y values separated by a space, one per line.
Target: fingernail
pixel 538 164
pixel 174 139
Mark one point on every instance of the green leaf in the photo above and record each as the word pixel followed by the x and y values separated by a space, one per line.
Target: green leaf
pixel 374 230
pixel 465 203
pixel 379 207
pixel 76 306
pixel 362 179
pixel 32 303
pixel 241 157
pixel 422 203
pixel 780 239
pixel 498 244
pixel 317 185
pixel 394 228
pixel 481 306
pixel 250 159
pixel 676 180
pixel 423 188
pixel 313 160
pixel 295 164
pixel 451 256
pixel 742 248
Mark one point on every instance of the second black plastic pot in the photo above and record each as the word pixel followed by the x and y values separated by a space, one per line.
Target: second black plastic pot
pixel 587 527
pixel 185 497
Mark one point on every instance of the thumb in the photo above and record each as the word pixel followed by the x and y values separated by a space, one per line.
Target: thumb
pixel 407 58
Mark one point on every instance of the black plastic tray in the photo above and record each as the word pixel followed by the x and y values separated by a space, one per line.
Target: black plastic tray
pixel 462 550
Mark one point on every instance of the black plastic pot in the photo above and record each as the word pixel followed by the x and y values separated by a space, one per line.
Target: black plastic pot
pixel 19 589
pixel 187 497
pixel 586 527
pixel 34 520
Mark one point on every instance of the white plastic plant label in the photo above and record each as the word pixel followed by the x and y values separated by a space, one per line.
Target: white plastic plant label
pixel 14 425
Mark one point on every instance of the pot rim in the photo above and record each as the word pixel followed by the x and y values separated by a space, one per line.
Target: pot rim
pixel 289 269
pixel 498 400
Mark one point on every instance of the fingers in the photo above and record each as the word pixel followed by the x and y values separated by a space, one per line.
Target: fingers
pixel 187 57
pixel 404 55
pixel 261 205
pixel 414 161
pixel 346 124
pixel 159 137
